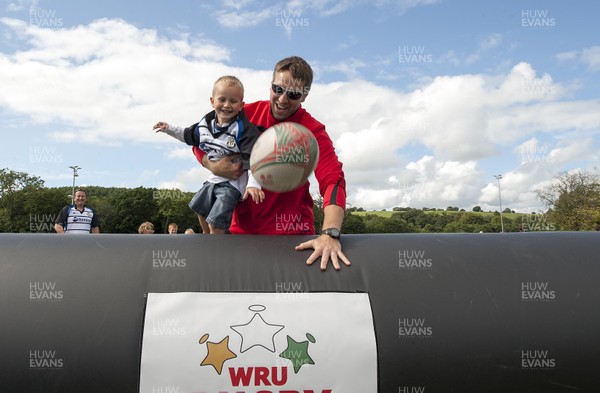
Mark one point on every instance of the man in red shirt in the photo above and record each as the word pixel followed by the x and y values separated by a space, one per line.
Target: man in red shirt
pixel 291 213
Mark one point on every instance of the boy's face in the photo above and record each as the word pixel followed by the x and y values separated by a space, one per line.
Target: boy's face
pixel 282 106
pixel 227 102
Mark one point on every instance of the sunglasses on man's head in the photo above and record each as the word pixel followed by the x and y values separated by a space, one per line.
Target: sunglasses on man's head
pixel 292 95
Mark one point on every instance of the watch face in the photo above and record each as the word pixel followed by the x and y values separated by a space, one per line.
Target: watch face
pixel 333 232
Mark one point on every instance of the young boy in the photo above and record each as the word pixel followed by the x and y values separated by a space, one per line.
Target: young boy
pixel 222 132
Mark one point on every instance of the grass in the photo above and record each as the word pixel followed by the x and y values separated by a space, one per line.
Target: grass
pixel 388 214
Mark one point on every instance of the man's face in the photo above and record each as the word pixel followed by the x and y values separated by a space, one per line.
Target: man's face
pixel 80 198
pixel 282 106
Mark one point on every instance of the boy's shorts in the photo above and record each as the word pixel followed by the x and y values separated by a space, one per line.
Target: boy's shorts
pixel 215 202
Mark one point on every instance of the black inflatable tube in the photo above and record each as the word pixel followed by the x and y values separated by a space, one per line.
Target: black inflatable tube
pixel 498 312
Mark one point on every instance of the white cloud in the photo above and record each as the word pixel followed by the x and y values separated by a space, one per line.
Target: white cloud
pixel 20 5
pixel 98 84
pixel 484 45
pixel 564 56
pixel 238 18
pixel 591 57
pixel 101 79
pixel 182 153
pixel 249 13
pixel 402 6
pixel 460 120
pixel 189 180
pixel 423 183
pixel 491 41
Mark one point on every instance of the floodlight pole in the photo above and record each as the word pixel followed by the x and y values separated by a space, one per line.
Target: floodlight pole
pixel 75 174
pixel 499 177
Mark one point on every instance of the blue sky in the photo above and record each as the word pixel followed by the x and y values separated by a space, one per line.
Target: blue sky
pixel 426 100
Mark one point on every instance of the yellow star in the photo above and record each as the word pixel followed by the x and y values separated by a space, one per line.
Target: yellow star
pixel 218 353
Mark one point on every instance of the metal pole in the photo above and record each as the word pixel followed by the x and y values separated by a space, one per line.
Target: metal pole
pixel 75 168
pixel 498 177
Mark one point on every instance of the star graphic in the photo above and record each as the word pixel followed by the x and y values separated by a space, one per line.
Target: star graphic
pixel 218 353
pixel 297 353
pixel 257 333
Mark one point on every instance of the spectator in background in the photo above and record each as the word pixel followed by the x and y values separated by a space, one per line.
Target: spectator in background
pixel 189 231
pixel 146 228
pixel 173 228
pixel 77 218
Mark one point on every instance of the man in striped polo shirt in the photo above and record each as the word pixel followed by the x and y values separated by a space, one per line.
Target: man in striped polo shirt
pixel 77 218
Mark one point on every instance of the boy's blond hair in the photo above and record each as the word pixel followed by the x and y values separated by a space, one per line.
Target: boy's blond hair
pixel 229 81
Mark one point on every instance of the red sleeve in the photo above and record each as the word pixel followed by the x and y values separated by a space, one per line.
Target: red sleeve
pixel 198 153
pixel 329 173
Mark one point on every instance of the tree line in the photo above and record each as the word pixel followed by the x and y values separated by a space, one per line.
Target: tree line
pixel 26 205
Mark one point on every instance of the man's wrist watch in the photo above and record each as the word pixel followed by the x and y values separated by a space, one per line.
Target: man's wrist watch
pixel 332 232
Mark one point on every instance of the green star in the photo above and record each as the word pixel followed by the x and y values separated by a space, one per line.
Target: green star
pixel 297 353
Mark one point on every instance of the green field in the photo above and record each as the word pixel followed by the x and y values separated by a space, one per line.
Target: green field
pixel 388 214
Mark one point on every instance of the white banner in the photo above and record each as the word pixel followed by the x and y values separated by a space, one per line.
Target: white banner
pixel 285 342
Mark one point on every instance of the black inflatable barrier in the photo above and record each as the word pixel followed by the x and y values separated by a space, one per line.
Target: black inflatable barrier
pixel 453 312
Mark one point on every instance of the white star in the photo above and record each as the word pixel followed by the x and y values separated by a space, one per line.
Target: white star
pixel 257 333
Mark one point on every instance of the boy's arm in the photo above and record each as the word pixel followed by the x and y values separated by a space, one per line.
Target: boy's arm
pixel 253 189
pixel 186 135
pixel 252 182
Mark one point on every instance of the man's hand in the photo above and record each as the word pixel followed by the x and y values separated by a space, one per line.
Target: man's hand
pixel 229 167
pixel 327 248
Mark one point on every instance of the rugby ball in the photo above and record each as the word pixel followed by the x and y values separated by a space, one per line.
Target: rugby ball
pixel 284 156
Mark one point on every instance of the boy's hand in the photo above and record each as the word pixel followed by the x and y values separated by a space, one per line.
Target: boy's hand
pixel 257 194
pixel 161 126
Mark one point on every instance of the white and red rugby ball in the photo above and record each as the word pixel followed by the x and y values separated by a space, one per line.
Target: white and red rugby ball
pixel 284 156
